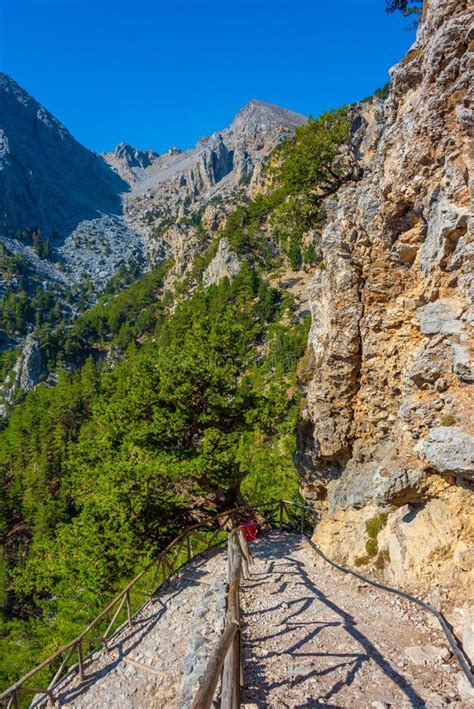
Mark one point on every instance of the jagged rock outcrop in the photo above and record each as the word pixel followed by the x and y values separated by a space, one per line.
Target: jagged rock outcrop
pixel 225 263
pixel 102 212
pixel 129 206
pixel 389 409
pixel 24 376
pixel 130 162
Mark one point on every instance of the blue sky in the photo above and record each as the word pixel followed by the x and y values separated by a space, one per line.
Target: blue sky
pixel 157 73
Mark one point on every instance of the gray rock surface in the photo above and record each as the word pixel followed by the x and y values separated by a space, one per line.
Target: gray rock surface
pixel 47 179
pixel 98 247
pixel 160 659
pixel 24 375
pixel 442 316
pixel 178 188
pixel 449 448
pixel 446 223
pixel 225 263
pixel 129 162
pixel 462 363
pixel 426 368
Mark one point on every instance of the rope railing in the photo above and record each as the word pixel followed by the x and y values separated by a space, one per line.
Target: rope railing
pixel 297 524
pixel 72 658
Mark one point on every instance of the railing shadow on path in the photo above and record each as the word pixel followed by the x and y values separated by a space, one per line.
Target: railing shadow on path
pixel 352 661
pixel 128 638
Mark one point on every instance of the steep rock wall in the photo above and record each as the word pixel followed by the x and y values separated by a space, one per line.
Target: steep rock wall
pixel 387 424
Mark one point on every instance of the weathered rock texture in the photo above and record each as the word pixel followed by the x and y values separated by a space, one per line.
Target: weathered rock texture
pixel 388 420
pixel 129 162
pixel 102 212
pixel 48 180
pixel 24 376
pixel 224 264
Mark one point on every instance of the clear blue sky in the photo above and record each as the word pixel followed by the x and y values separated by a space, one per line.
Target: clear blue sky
pixel 156 73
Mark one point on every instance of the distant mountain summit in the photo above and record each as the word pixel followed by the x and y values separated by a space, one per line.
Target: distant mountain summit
pixel 130 162
pixel 48 180
pixel 258 118
pixel 100 212
pixel 203 181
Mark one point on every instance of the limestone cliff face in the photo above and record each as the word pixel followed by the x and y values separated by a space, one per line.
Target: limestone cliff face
pixel 388 419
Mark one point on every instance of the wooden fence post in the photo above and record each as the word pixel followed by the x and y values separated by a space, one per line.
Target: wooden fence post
pixel 129 608
pixel 281 515
pixel 302 521
pixel 80 659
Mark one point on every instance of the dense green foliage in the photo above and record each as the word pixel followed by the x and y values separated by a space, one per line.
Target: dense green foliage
pixel 101 469
pixel 309 166
pixel 25 300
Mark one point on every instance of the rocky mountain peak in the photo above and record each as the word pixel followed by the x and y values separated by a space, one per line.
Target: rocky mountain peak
pixel 129 162
pixel 258 118
pixel 48 181
pixel 12 94
pixel 180 183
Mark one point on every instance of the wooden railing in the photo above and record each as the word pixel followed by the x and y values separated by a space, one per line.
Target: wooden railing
pixel 226 661
pixel 72 658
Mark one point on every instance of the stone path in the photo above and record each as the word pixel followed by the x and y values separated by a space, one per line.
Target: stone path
pixel 313 637
pixel 159 660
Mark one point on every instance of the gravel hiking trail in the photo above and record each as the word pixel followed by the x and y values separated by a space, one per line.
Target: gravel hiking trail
pixel 157 662
pixel 313 636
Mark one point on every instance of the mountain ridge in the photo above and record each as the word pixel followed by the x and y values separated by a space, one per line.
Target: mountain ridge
pixel 78 199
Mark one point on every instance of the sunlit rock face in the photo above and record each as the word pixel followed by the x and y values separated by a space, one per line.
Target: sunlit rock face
pixel 181 198
pixel 24 376
pixel 101 212
pixel 389 412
